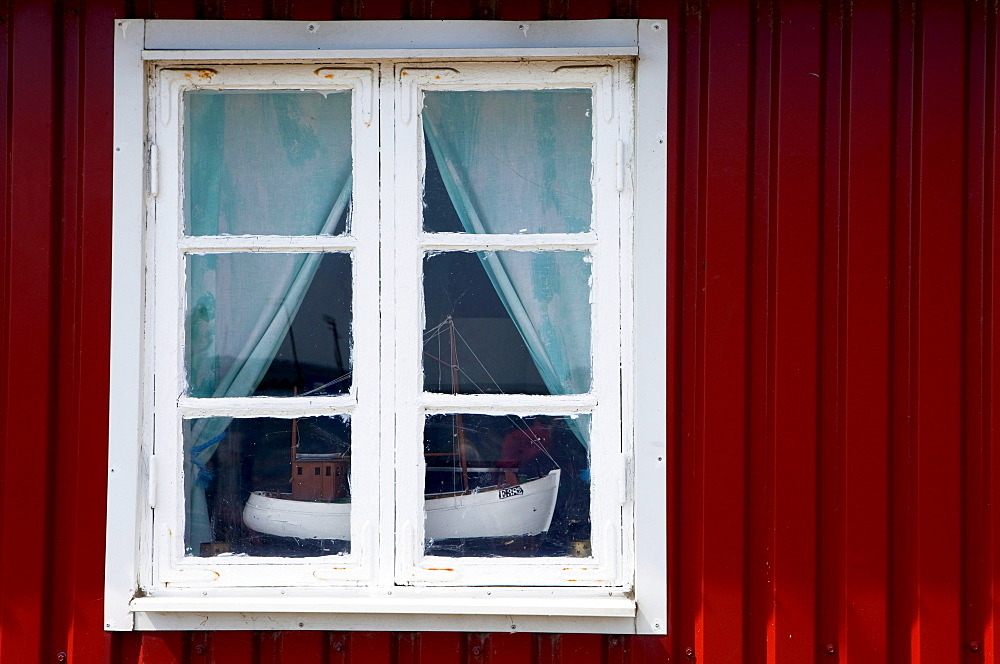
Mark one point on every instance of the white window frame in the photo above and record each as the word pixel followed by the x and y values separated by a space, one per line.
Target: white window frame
pixel 139 597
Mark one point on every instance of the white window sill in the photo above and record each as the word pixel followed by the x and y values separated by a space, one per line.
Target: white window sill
pixel 613 614
pixel 612 607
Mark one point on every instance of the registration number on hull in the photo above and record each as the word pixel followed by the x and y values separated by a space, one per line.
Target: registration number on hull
pixel 511 491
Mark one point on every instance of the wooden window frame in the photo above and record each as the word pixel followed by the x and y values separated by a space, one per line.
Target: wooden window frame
pixel 141 595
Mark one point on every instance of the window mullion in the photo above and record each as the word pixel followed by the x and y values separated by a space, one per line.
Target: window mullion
pixel 384 576
pixel 406 297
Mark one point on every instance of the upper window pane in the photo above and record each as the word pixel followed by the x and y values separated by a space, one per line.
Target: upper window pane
pixel 511 161
pixel 274 162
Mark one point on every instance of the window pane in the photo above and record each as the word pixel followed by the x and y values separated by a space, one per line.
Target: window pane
pixel 272 162
pixel 520 321
pixel 267 487
pixel 268 324
pixel 512 161
pixel 507 486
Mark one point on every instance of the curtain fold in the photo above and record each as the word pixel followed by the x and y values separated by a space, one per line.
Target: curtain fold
pixel 275 163
pixel 520 162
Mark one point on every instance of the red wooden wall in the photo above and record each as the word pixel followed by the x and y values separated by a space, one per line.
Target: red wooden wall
pixel 834 340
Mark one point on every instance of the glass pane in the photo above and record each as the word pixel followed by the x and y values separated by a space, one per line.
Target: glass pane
pixel 268 324
pixel 511 322
pixel 507 486
pixel 267 487
pixel 511 161
pixel 272 162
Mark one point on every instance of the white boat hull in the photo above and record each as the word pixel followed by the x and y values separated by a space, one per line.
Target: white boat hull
pixel 524 509
pixel 284 517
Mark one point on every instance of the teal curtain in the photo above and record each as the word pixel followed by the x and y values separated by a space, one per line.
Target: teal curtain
pixel 277 163
pixel 520 162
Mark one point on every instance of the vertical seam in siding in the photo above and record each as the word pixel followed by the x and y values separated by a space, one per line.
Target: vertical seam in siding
pixel 821 350
pixel 751 201
pixel 769 322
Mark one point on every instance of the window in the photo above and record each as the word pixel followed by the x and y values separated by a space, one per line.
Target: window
pixel 374 348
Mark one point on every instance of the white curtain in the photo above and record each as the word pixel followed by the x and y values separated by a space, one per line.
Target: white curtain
pixel 280 163
pixel 520 162
pixel 268 163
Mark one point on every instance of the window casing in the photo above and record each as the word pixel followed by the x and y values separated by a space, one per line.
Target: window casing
pixel 388 576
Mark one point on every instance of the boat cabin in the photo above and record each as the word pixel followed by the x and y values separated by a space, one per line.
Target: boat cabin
pixel 320 477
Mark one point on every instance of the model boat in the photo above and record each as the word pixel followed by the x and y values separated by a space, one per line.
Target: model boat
pixel 318 506
pixel 521 509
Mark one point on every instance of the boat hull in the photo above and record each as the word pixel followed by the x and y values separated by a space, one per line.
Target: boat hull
pixel 284 517
pixel 524 509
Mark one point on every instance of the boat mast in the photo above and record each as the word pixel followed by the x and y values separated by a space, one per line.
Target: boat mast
pixel 458 416
pixel 295 430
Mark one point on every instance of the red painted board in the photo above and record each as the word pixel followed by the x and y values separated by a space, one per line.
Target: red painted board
pixel 721 266
pixel 937 356
pixel 28 428
pixel 302 647
pixel 230 647
pixel 865 390
pixel 795 336
pixel 92 309
pixel 443 647
pixel 759 467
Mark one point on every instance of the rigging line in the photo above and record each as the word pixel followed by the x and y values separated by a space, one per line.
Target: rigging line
pixel 445 363
pixel 524 430
pixel 436 330
pixel 325 385
pixel 489 375
pixel 485 370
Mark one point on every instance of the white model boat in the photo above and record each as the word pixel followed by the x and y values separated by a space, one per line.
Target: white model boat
pixel 319 505
pixel 522 509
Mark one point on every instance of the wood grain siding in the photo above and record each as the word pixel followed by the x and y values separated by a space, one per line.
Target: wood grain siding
pixel 833 337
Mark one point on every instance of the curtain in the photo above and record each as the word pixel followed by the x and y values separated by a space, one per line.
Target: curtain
pixel 277 163
pixel 520 162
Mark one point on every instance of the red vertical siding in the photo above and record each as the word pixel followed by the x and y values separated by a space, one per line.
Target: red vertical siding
pixel 857 551
pixel 31 265
pixel 834 291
